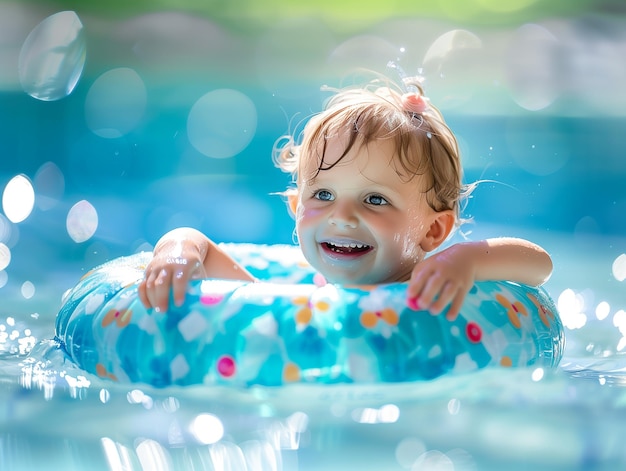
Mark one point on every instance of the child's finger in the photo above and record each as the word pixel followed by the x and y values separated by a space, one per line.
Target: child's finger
pixel 443 298
pixel 161 290
pixel 179 286
pixel 457 303
pixel 431 290
pixel 415 287
pixel 143 296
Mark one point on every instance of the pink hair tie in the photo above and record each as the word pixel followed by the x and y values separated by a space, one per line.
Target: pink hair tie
pixel 414 103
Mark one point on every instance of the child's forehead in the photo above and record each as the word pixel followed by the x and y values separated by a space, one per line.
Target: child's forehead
pixel 342 148
pixel 369 160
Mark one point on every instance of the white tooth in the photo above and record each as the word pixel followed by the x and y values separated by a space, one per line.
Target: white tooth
pixel 352 246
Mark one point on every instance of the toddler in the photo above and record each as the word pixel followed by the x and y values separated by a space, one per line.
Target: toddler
pixel 377 186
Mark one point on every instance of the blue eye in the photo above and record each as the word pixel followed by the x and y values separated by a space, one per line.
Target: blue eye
pixel 324 195
pixel 376 200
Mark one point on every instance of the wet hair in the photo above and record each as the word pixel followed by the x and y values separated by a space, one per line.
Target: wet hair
pixel 424 144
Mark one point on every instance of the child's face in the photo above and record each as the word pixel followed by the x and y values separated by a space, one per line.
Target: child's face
pixel 361 222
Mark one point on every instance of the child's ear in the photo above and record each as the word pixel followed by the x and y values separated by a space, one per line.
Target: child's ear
pixel 439 230
pixel 292 201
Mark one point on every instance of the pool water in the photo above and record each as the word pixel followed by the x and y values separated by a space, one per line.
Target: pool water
pixel 54 416
pixel 125 127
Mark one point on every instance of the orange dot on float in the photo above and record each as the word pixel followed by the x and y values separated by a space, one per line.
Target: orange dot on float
pixel 291 372
pixel 101 371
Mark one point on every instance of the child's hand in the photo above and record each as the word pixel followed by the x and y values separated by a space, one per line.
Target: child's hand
pixel 441 279
pixel 166 272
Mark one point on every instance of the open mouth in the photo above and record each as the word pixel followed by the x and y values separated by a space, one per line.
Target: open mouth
pixel 352 248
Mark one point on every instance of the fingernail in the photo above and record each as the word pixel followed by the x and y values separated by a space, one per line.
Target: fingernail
pixel 413 303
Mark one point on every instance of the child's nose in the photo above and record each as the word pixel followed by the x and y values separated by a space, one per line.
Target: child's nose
pixel 343 216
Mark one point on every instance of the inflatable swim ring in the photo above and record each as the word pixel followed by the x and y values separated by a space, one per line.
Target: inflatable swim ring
pixel 288 329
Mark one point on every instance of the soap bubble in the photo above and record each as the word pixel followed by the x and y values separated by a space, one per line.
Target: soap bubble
pixel 52 57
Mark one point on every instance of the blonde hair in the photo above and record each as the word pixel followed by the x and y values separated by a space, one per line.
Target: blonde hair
pixel 425 145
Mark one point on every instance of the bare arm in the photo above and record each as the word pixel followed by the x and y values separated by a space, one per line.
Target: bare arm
pixel 179 256
pixel 446 277
pixel 509 259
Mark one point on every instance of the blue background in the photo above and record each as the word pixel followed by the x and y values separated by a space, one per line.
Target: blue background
pixel 552 172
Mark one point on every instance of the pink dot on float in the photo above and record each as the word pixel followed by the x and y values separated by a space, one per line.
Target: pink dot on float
pixel 319 280
pixel 226 366
pixel 473 332
pixel 211 299
pixel 413 304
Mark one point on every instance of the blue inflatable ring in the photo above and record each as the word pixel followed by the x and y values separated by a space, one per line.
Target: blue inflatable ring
pixel 288 329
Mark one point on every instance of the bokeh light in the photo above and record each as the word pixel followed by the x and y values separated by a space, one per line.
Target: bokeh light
pixel 537 374
pixel 18 198
pixel 52 57
pixel 571 306
pixel 408 451
pixel 5 256
pixel 619 321
pixel 207 428
pixel 533 67
pixel 115 103
pixel 222 123
pixel 454 406
pixel 49 184
pixel 82 221
pixel 27 289
pixel 602 310
pixel 433 460
pixel 6 229
pixel 450 64
pixel 104 395
pixel 619 267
